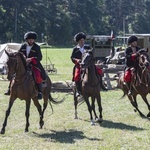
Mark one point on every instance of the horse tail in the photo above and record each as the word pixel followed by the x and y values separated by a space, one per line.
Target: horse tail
pixel 124 94
pixel 54 101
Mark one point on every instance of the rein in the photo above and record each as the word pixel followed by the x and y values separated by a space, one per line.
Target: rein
pixel 19 79
pixel 84 72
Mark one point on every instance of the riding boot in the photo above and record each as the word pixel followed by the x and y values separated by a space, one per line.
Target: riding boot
pixel 40 96
pixel 78 88
pixel 129 88
pixel 8 91
pixel 102 84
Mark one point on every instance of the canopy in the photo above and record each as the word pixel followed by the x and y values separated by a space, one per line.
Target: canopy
pixel 11 47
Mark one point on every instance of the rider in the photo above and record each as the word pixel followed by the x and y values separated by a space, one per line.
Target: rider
pixel 33 55
pixel 76 59
pixel 130 54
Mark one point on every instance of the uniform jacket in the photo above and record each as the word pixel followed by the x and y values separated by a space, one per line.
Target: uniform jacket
pixel 76 54
pixel 128 55
pixel 35 53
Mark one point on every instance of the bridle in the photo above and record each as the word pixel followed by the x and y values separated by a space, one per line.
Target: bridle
pixel 143 64
pixel 87 63
pixel 18 79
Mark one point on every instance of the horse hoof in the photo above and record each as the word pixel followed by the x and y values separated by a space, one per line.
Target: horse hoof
pixel 92 123
pixel 148 115
pixel 26 131
pixel 2 131
pixel 100 120
pixel 41 124
pixel 75 117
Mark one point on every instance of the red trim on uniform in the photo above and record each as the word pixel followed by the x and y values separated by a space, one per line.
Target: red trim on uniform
pixel 127 76
pixel 99 70
pixel 133 56
pixel 34 61
pixel 37 74
pixel 77 61
pixel 77 74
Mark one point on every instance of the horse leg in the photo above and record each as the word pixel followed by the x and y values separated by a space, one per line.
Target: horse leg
pixel 89 109
pixel 99 108
pixel 11 101
pixel 38 106
pixel 27 114
pixel 44 105
pixel 75 105
pixel 93 107
pixel 148 105
pixel 134 104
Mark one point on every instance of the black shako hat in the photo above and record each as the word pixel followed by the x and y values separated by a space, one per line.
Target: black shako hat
pixel 79 36
pixel 131 39
pixel 30 35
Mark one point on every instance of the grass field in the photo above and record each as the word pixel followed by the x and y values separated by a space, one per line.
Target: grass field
pixel 122 128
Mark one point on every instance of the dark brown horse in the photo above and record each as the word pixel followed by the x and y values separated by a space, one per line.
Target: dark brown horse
pixel 140 81
pixel 90 86
pixel 23 87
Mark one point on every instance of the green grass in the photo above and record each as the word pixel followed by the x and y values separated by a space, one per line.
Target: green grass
pixel 62 62
pixel 122 128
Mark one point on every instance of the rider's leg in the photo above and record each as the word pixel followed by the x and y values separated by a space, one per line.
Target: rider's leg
pixel 39 80
pixel 102 84
pixel 127 79
pixel 129 88
pixel 100 72
pixel 78 88
pixel 39 90
pixel 77 81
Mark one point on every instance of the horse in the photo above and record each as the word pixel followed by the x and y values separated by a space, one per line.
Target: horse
pixel 140 81
pixel 23 87
pixel 90 86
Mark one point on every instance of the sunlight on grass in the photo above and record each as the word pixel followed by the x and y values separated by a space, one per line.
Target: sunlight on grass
pixel 122 128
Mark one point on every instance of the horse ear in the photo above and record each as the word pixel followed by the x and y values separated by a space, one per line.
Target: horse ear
pixel 8 54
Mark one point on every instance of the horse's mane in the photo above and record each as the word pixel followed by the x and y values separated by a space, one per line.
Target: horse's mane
pixel 142 51
pixel 23 59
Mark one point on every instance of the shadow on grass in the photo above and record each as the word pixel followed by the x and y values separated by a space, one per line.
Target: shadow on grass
pixel 69 136
pixel 119 125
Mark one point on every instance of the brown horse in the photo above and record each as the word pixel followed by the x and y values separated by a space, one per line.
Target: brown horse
pixel 140 81
pixel 90 86
pixel 23 87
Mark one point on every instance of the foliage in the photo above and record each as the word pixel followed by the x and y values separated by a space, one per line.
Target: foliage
pixel 56 22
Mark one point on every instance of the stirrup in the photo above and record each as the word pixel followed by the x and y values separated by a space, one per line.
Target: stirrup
pixel 78 94
pixel 104 88
pixel 129 93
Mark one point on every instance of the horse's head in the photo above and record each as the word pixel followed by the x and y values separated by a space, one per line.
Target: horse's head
pixel 11 64
pixel 21 59
pixel 143 58
pixel 87 57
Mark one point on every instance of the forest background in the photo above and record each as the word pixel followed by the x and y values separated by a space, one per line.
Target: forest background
pixel 56 22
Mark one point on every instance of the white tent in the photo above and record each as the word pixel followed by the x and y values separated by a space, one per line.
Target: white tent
pixel 11 47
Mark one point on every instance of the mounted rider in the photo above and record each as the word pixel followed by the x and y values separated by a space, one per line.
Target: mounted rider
pixel 130 55
pixel 76 57
pixel 33 55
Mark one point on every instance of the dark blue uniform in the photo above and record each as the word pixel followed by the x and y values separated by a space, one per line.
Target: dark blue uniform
pixel 36 53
